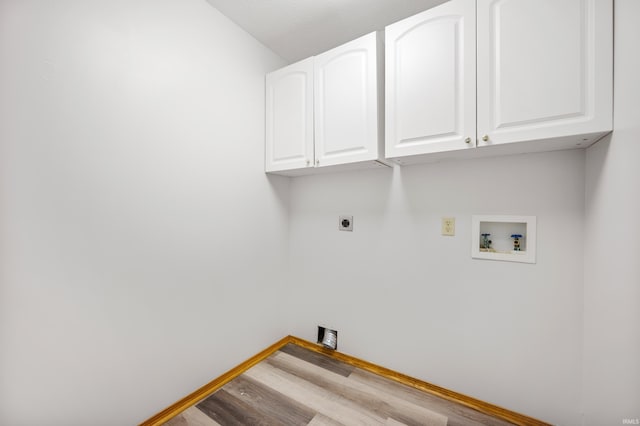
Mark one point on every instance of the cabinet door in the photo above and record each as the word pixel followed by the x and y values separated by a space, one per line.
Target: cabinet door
pixel 346 124
pixel 289 117
pixel 431 82
pixel 544 69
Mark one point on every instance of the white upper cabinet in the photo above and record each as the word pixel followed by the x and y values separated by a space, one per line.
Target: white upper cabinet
pixel 544 69
pixel 289 120
pixel 325 112
pixel 431 81
pixel 476 73
pixel 346 103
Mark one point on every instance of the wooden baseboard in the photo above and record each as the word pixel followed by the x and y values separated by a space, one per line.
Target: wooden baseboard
pixel 211 387
pixel 206 390
pixel 476 404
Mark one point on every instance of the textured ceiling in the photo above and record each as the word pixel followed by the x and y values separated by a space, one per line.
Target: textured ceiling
pixel 297 29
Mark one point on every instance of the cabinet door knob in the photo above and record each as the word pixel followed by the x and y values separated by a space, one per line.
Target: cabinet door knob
pixel 485 138
pixel 468 140
pixel 317 162
pixel 308 162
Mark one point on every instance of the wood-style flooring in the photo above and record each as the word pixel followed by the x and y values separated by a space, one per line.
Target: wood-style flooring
pixel 297 386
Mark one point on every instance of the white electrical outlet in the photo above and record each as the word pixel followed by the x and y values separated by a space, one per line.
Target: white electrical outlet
pixel 345 223
pixel 449 226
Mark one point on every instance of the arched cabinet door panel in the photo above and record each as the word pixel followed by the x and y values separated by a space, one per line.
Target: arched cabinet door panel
pixel 289 117
pixel 346 103
pixel 544 69
pixel 431 82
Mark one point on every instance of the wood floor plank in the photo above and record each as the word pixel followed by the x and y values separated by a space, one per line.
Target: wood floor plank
pixel 192 417
pixel 298 386
pixel 322 420
pixel 313 396
pixel 270 403
pixel 381 403
pixel 320 360
pixel 231 411
pixel 392 422
pixel 458 415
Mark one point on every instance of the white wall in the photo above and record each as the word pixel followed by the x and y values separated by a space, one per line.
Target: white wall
pixel 612 244
pixel 403 296
pixel 133 207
